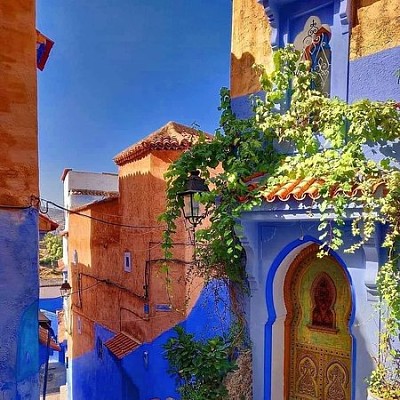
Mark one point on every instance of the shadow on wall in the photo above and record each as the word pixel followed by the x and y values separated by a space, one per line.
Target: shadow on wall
pixel 143 373
pixel 129 389
pixel 244 78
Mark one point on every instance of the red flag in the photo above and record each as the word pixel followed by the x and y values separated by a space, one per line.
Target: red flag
pixel 43 48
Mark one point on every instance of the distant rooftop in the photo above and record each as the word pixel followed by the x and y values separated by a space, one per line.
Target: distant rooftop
pixel 66 170
pixel 91 192
pixel 172 136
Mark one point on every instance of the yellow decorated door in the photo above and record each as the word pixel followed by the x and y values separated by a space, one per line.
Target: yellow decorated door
pixel 317 338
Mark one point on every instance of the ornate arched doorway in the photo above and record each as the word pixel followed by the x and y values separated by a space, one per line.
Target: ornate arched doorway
pixel 318 343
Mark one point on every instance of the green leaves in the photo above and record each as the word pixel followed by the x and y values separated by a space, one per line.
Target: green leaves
pixel 199 366
pixel 328 138
pixel 53 249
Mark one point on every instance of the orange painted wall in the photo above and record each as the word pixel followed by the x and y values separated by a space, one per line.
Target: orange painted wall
pixel 375 26
pixel 18 103
pixel 119 303
pixel 250 44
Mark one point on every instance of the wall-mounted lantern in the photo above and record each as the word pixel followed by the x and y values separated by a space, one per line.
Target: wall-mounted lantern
pixel 193 210
pixel 65 290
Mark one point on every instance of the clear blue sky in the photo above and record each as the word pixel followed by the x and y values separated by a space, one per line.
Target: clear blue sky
pixel 119 70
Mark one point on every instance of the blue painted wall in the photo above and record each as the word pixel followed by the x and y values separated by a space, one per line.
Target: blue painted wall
pixel 95 377
pixel 51 304
pixel 374 76
pixel 271 246
pixel 142 374
pixel 19 293
pixel 54 356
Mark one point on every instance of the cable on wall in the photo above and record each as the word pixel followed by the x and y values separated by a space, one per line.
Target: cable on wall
pixel 44 208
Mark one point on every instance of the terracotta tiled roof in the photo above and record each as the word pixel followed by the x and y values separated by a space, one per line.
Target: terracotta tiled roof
pixel 302 188
pixel 121 345
pixel 46 224
pixel 297 189
pixel 90 192
pixel 172 136
pixel 43 334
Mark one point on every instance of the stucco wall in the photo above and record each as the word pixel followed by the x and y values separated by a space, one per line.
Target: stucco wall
pixel 375 27
pixel 91 180
pixel 143 374
pixel 271 247
pixel 18 103
pixel 19 291
pixel 101 247
pixel 105 308
pixel 374 76
pixel 19 281
pixel 250 44
pixel 374 31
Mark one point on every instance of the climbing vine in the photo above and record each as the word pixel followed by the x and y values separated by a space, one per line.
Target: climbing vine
pixel 327 139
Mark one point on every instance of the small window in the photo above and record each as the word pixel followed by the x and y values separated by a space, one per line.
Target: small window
pixel 79 325
pixel 313 44
pixel 127 261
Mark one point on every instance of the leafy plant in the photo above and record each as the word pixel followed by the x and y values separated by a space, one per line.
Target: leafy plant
pixel 200 367
pixel 328 138
pixel 53 249
pixel 383 385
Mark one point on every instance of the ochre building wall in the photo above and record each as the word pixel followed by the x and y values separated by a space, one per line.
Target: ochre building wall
pixel 375 27
pixel 100 248
pixel 18 103
pixel 250 44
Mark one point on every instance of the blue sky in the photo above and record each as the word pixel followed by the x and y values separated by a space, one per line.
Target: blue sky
pixel 119 70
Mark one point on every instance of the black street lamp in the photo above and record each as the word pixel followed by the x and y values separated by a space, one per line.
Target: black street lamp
pixel 193 210
pixel 65 289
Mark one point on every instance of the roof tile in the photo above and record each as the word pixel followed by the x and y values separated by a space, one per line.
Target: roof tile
pixel 43 335
pixel 121 345
pixel 301 188
pixel 297 189
pixel 172 136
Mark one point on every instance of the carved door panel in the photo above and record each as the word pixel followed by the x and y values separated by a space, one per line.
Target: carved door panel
pixel 317 340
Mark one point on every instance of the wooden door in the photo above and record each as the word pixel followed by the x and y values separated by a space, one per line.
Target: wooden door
pixel 317 337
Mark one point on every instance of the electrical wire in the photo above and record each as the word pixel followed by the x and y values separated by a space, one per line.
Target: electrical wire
pixel 4 206
pixel 86 288
pixel 47 202
pixel 77 291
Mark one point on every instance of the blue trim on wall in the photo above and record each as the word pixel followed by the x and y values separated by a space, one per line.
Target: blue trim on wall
pixel 272 313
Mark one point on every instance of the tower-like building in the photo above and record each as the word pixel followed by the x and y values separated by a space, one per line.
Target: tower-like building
pixel 19 283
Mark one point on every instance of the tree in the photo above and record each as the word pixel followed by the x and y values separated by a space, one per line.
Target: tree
pixel 54 249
